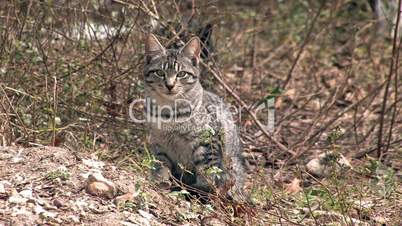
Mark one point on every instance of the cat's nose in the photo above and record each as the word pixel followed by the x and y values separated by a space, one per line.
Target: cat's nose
pixel 169 86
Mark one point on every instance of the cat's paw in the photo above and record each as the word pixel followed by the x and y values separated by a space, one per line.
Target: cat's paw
pixel 165 185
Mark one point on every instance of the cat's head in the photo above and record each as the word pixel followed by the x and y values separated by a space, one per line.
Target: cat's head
pixel 171 73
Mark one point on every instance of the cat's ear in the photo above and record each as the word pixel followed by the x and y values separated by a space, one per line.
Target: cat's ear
pixel 153 47
pixel 192 50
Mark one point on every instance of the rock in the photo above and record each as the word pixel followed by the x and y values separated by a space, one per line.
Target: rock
pixel 49 215
pixel 212 221
pixel 2 188
pixel 326 163
pixel 57 203
pixel 49 206
pixel 5 156
pixel 74 219
pixel 16 198
pixel 97 209
pixel 145 214
pixel 26 194
pixel 381 220
pixel 39 209
pixel 363 204
pixel 126 223
pixel 93 163
pixel 17 158
pixel 19 179
pixel 143 221
pixel 20 211
pixel 99 186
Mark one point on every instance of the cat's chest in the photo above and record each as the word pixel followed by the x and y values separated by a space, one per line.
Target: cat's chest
pixel 179 141
pixel 177 137
pixel 178 147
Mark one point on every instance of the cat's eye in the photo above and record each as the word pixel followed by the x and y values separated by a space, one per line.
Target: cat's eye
pixel 182 74
pixel 159 73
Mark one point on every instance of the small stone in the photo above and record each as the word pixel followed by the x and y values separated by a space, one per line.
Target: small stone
pixel 47 214
pixel 74 219
pixel 40 201
pixel 30 205
pixel 39 209
pixel 58 181
pixel 17 159
pixel 97 209
pixel 381 220
pixel 19 179
pixel 212 221
pixel 49 206
pixel 5 156
pixel 2 188
pixel 16 198
pixel 57 203
pixel 99 189
pixel 326 163
pixel 99 186
pixel 146 215
pixel 20 211
pixel 93 163
pixel 26 194
pixel 314 167
pixel 364 204
pixel 126 223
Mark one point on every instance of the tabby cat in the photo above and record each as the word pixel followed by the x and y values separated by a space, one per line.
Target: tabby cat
pixel 192 132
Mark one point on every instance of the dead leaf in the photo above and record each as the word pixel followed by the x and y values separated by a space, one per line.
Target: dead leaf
pixel 123 198
pixel 293 187
pixel 290 93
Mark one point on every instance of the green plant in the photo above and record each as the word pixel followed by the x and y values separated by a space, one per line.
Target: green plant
pixel 148 160
pixel 62 174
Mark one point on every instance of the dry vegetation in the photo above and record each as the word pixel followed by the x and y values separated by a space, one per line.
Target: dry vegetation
pixel 70 69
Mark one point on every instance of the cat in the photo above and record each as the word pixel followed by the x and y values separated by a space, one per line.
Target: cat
pixel 192 133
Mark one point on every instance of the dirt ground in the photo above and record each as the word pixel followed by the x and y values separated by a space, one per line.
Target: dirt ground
pixel 46 186
pixel 49 186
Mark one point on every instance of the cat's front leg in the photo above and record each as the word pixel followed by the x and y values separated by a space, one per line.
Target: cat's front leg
pixel 209 168
pixel 161 170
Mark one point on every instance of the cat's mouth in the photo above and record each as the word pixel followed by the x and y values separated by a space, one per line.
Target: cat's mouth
pixel 171 93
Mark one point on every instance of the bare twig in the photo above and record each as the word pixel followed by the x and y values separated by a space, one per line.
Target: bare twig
pixel 54 111
pixel 336 117
pixel 380 152
pixel 110 45
pixel 396 94
pixel 306 40
pixel 217 76
pixel 15 112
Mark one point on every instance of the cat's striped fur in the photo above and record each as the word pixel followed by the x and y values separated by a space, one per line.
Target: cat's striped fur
pixel 197 142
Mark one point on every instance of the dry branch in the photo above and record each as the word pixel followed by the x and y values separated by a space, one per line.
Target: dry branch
pixel 306 40
pixel 217 76
pixel 392 71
